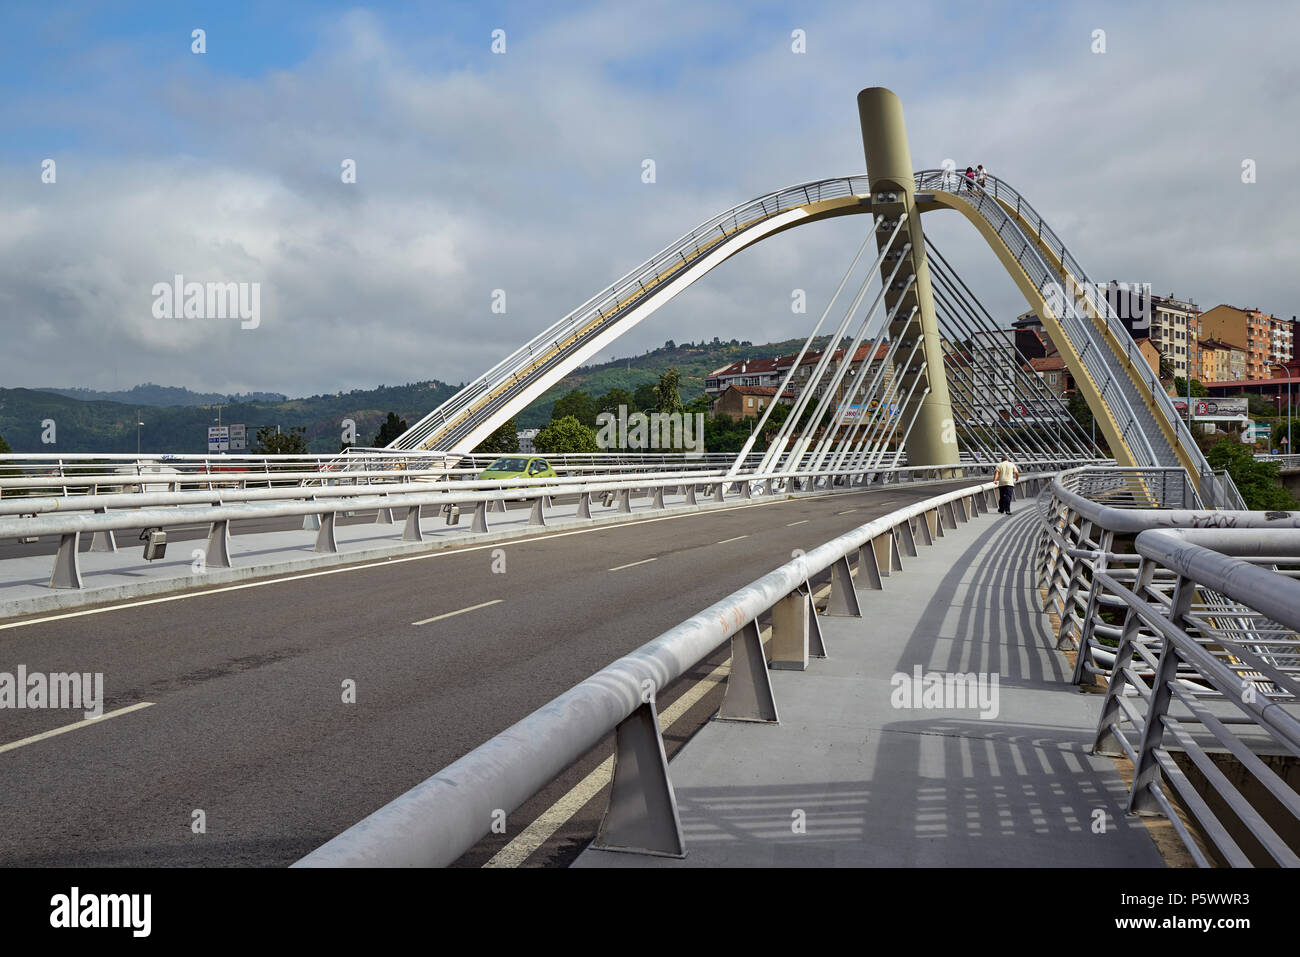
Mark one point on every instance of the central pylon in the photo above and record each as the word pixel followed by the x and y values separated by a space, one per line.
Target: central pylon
pixel 933 439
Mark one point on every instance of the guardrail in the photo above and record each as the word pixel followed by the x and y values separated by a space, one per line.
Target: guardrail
pixel 1200 622
pixel 161 510
pixel 438 820
pixel 1283 461
pixel 71 475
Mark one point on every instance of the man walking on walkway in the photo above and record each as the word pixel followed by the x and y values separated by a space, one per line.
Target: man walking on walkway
pixel 1007 476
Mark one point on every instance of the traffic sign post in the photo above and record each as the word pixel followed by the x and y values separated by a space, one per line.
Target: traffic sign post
pixel 218 438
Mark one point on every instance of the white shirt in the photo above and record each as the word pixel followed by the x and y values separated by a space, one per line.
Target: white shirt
pixel 1006 473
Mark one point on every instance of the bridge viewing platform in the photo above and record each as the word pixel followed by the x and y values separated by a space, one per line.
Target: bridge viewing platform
pixel 881 758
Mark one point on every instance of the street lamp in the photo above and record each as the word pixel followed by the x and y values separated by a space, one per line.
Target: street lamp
pixel 1287 373
pixel 138 426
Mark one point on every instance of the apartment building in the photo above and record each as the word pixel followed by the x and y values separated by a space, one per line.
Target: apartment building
pixel 1266 340
pixel 1222 361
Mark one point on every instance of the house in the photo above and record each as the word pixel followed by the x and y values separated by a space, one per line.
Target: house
pixel 746 401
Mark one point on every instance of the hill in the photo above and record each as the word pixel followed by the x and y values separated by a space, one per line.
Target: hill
pixel 102 426
pixel 693 360
pixel 177 420
pixel 164 395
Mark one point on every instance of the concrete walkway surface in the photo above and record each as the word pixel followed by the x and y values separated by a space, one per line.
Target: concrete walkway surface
pixel 849 779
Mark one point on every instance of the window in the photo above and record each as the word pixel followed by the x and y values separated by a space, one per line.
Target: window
pixel 749 401
pixel 1051 378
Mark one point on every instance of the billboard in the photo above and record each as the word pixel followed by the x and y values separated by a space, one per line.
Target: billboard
pixel 1237 406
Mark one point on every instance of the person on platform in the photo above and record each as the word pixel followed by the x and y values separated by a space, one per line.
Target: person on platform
pixel 1007 477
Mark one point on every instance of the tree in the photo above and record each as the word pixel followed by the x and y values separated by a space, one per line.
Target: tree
pixel 1166 366
pixel 271 442
pixel 1199 391
pixel 646 398
pixel 1258 406
pixel 668 397
pixel 565 435
pixel 1280 432
pixel 388 431
pixel 503 440
pixel 4 446
pixel 611 400
pixel 1259 482
pixel 577 404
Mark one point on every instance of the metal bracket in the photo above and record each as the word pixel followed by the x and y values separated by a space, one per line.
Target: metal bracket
pixel 412 533
pixel 641 816
pixel 480 518
pixel 748 695
pixel 67 569
pixel 384 516
pixel 844 600
pixel 218 550
pixel 325 541
pixel 538 514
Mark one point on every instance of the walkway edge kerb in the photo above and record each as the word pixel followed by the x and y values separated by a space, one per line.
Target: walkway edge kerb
pixel 435 822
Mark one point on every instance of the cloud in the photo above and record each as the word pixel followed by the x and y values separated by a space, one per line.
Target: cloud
pixel 522 172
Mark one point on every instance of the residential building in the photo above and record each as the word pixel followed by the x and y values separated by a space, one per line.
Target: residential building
pixel 1150 353
pixel 764 372
pixel 526 438
pixel 746 401
pixel 1222 361
pixel 1172 325
pixel 1057 378
pixel 858 366
pixel 1263 338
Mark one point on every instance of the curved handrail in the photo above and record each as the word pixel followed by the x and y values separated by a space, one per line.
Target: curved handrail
pixel 614 300
pixel 1005 194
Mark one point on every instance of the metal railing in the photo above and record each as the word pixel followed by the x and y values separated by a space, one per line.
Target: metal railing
pixel 435 822
pixel 1200 622
pixel 24 519
pixel 1005 209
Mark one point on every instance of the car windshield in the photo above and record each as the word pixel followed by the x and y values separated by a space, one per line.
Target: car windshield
pixel 508 465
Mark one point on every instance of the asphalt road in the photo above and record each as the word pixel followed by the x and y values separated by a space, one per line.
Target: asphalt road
pixel 247 729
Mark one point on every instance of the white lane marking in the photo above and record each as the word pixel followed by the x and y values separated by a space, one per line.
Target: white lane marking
pixel 453 614
pixel 553 818
pixel 846 511
pixel 736 539
pixel 793 524
pixel 619 568
pixel 73 727
pixel 441 553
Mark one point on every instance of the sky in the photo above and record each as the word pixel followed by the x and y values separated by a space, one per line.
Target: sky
pixel 521 170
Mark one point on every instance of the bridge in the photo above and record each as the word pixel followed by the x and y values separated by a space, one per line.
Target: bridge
pixel 826 650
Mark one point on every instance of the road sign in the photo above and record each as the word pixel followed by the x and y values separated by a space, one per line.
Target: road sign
pixel 238 438
pixel 218 438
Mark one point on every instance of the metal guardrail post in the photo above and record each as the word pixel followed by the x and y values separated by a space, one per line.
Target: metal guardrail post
pixel 641 816
pixel 748 695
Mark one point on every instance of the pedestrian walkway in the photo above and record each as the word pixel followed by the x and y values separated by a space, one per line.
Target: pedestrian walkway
pixel 848 779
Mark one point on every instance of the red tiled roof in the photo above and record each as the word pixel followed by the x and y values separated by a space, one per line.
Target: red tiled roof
pixel 759 390
pixel 1047 364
